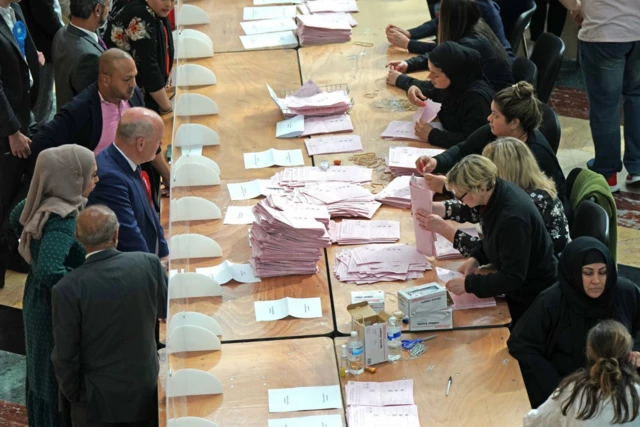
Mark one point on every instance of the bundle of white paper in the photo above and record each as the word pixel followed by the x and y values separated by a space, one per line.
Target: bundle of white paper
pixel 327 124
pixel 333 144
pixel 317 29
pixel 427 113
pixel 332 6
pixel 268 26
pixel 402 160
pixel 313 421
pixel 302 308
pixel 421 199
pixel 285 242
pixel 273 157
pixel 357 232
pixel 396 193
pixel 444 249
pixel 286 39
pixel 465 301
pixel 290 128
pixel 390 393
pixel 342 199
pixel 383 416
pixel 239 215
pixel 380 263
pixel 228 271
pixel 269 12
pixel 305 399
pixel 311 175
pixel 252 189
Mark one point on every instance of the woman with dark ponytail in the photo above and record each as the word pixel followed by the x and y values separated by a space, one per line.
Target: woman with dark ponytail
pixel 550 340
pixel 606 392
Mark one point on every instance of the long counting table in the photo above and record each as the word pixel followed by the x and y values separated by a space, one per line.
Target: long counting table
pixel 488 389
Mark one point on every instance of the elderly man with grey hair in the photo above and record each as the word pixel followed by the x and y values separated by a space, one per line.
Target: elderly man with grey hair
pixel 77 47
pixel 105 316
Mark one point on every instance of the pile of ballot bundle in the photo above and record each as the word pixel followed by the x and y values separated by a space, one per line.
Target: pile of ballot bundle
pixel 380 263
pixel 396 193
pixel 318 29
pixel 359 232
pixel 342 199
pixel 312 175
pixel 311 100
pixel 285 242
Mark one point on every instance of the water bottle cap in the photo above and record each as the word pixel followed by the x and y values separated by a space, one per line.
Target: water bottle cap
pixel 344 350
pixel 354 333
pixel 393 321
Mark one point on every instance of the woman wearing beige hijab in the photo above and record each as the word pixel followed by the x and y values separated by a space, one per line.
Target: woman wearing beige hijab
pixel 46 222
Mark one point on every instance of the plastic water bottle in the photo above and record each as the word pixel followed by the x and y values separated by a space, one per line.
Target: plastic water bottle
pixel 394 342
pixel 356 354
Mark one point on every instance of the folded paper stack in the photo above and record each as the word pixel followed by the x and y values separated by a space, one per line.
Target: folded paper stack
pixel 358 232
pixel 318 29
pixel 396 193
pixel 402 160
pixel 311 175
pixel 380 263
pixel 319 104
pixel 285 242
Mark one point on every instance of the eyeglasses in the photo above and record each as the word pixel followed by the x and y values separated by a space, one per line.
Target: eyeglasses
pixel 461 197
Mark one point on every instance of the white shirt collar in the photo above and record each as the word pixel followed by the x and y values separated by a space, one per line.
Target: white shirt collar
pixel 93 253
pixel 134 167
pixel 92 34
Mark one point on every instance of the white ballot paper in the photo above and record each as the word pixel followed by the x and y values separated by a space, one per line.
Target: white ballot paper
pixel 305 398
pixel 333 144
pixel 191 150
pixel 273 157
pixel 371 416
pixel 388 393
pixel 228 271
pixel 302 308
pixel 269 12
pixel 290 128
pixel 268 26
pixel 313 421
pixel 258 41
pixel 239 215
pixel 251 189
pixel 266 2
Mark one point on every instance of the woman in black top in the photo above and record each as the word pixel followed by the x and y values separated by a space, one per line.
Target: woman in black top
pixel 460 22
pixel 515 112
pixel 515 241
pixel 550 339
pixel 141 28
pixel 458 84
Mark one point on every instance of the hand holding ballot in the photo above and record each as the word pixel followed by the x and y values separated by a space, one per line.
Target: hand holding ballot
pixel 422 130
pixel 426 164
pixel 416 97
pixel 470 266
pixel 456 286
pixel 435 183
pixel 432 222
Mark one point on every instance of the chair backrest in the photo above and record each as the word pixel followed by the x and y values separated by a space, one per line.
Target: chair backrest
pixel 524 69
pixel 523 21
pixel 550 127
pixel 547 55
pixel 590 219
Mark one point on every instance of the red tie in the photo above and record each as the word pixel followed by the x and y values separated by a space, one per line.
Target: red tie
pixel 147 185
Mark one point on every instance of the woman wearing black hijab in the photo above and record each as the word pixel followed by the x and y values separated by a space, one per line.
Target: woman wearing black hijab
pixel 550 339
pixel 457 82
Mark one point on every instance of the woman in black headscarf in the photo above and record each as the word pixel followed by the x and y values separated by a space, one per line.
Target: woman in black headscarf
pixel 457 82
pixel 550 339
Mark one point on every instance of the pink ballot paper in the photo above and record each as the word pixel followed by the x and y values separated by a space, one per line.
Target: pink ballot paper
pixel 465 301
pixel 421 198
pixel 427 113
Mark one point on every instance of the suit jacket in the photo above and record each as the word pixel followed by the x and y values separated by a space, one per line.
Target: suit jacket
pixel 79 122
pixel 104 318
pixel 16 96
pixel 123 190
pixel 43 21
pixel 75 63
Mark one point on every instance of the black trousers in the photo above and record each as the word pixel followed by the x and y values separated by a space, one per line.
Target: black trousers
pixel 14 186
pixel 79 419
pixel 554 18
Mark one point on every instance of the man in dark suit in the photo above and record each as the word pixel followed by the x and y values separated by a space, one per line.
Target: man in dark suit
pixel 125 188
pixel 44 20
pixel 19 75
pixel 77 49
pixel 104 319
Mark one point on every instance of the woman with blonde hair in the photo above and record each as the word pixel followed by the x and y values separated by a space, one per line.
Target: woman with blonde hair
pixel 515 240
pixel 516 164
pixel 606 392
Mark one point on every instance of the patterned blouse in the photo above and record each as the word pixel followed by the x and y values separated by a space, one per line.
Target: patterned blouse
pixel 551 210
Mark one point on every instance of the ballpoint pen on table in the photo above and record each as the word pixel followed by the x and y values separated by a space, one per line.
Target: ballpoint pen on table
pixel 409 344
pixel 449 386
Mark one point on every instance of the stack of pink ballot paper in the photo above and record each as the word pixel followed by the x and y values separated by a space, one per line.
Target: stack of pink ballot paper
pixel 311 175
pixel 421 199
pixel 317 29
pixel 444 249
pixel 318 212
pixel 402 160
pixel 380 263
pixel 285 242
pixel 465 301
pixel 358 232
pixel 396 193
pixel 310 100
pixel 342 199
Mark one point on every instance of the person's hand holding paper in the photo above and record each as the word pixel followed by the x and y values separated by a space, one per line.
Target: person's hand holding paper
pixel 435 183
pixel 426 164
pixel 470 266
pixel 400 66
pixel 422 130
pixel 416 97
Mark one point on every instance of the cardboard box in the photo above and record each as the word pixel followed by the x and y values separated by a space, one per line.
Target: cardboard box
pixel 422 299
pixel 434 320
pixel 374 298
pixel 372 330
